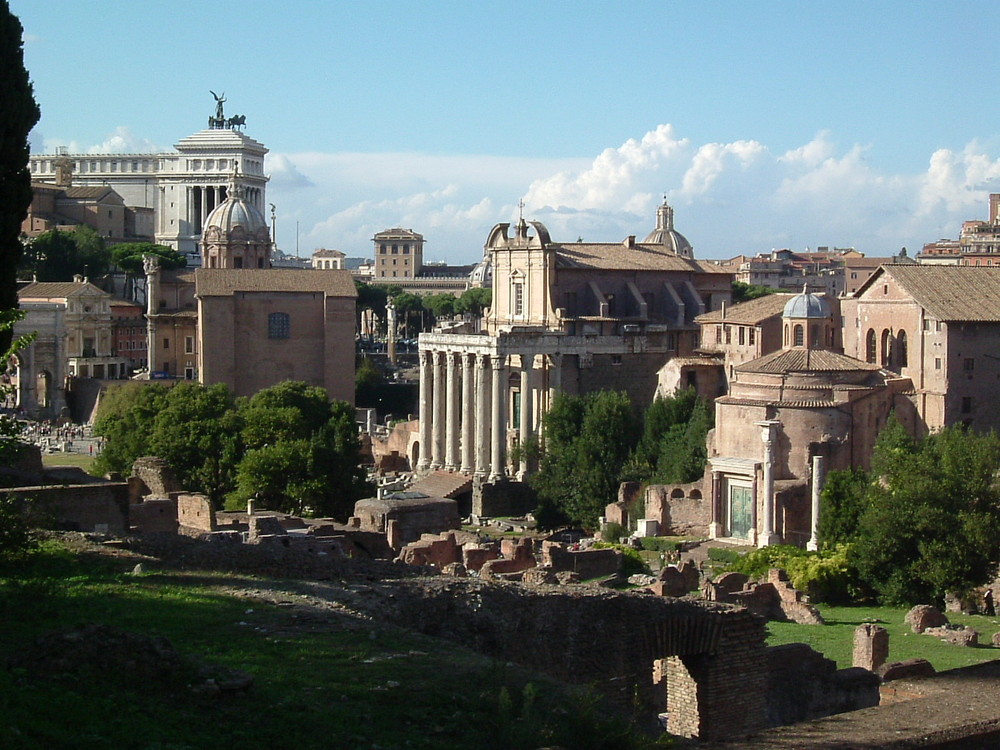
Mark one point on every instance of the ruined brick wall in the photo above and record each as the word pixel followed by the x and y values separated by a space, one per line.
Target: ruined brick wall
pixel 577 636
pixel 680 509
pixel 587 564
pixel 153 516
pixel 502 499
pixel 196 512
pixel 90 507
pixel 156 475
pixel 803 684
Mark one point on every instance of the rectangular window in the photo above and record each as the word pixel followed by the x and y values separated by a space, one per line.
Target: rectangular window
pixel 616 359
pixel 742 336
pixel 752 335
pixel 937 363
pixel 966 404
pixel 729 335
pixel 969 364
pixel 519 299
pixel 189 344
pixel 279 325
pixel 166 343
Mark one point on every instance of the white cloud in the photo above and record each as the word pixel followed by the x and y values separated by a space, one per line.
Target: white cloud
pixel 729 198
pixel 122 141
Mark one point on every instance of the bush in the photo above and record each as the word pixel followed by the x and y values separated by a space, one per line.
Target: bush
pixel 827 576
pixel 724 554
pixel 612 532
pixel 15 533
pixel 659 544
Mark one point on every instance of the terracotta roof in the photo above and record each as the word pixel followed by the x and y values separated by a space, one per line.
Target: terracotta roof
pixel 751 312
pixel 965 293
pixel 614 256
pixel 805 360
pixel 57 289
pixel 89 192
pixel 222 282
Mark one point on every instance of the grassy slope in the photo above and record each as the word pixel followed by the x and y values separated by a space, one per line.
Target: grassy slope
pixel 836 638
pixel 356 687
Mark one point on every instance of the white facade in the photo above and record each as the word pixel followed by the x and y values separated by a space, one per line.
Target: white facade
pixel 181 187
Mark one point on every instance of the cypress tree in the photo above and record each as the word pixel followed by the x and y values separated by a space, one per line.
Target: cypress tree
pixel 20 113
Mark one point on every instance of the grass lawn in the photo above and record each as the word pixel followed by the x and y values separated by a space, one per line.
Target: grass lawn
pixel 836 639
pixel 82 460
pixel 349 684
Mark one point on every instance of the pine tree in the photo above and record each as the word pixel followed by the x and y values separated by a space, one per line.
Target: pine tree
pixel 20 113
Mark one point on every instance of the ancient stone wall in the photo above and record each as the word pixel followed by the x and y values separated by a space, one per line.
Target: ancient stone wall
pixel 156 476
pixel 502 499
pixel 680 509
pixel 90 507
pixel 195 512
pixel 153 516
pixel 587 564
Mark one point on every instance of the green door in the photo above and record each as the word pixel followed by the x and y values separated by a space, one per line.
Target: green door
pixel 740 511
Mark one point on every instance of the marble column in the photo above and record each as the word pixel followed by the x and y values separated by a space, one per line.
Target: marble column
pixel 484 416
pixel 451 414
pixel 438 413
pixel 469 395
pixel 498 445
pixel 426 416
pixel 768 536
pixel 526 432
pixel 818 480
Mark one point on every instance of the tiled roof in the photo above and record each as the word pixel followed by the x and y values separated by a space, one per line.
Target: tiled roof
pixel 805 360
pixel 56 289
pixel 221 282
pixel 615 256
pixel 88 192
pixel 965 293
pixel 750 312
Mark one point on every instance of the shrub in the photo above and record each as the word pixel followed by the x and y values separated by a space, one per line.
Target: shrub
pixel 659 544
pixel 827 576
pixel 724 554
pixel 612 532
pixel 15 533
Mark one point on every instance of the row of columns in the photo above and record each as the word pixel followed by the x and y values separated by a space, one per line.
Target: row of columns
pixel 463 411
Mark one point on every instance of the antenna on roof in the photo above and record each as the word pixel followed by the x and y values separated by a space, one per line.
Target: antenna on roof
pixel 520 211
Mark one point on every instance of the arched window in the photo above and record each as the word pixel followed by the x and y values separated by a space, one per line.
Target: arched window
pixel 870 347
pixel 786 334
pixel 886 348
pixel 798 333
pixel 278 325
pixel 901 353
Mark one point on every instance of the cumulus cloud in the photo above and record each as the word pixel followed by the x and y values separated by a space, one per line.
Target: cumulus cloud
pixel 122 141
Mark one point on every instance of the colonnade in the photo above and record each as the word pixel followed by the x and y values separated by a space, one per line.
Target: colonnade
pixel 466 409
pixel 202 199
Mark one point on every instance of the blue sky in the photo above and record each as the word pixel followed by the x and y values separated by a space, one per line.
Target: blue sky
pixel 779 124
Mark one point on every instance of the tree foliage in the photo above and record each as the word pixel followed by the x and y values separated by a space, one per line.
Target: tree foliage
pixel 59 255
pixel 20 113
pixel 288 444
pixel 474 301
pixel 931 516
pixel 672 447
pixel 587 441
pixel 129 256
pixel 743 292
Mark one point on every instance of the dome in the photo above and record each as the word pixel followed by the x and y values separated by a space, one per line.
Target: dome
pixel 482 273
pixel 806 305
pixel 666 235
pixel 234 211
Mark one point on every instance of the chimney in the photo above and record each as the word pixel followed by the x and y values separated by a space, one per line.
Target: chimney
pixel 630 241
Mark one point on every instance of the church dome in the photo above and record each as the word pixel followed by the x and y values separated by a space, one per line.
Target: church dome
pixel 234 212
pixel 665 234
pixel 806 305
pixel 482 273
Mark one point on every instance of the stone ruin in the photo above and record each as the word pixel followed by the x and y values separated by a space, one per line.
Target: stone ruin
pixel 929 620
pixel 773 599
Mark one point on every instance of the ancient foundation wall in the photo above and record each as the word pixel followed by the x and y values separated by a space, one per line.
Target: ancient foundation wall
pixel 87 507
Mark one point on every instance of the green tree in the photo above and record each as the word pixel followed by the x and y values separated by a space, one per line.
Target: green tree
pixel 932 524
pixel 587 441
pixel 370 297
pixel 842 504
pixel 474 301
pixel 197 432
pixel 20 113
pixel 303 452
pixel 125 418
pixel 408 307
pixel 59 255
pixel 743 292
pixel 441 305
pixel 672 447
